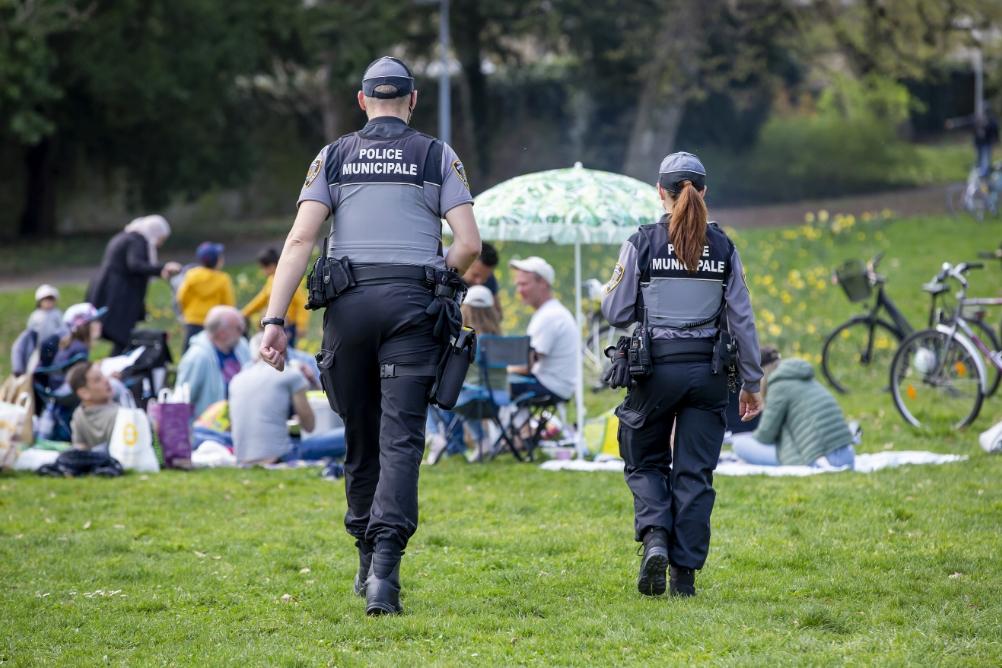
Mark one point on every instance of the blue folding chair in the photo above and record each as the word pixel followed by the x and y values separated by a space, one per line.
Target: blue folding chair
pixel 484 401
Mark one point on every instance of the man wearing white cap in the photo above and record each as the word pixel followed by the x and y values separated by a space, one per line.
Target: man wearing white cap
pixel 552 332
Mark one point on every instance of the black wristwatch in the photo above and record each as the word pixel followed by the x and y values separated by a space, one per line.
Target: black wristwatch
pixel 272 321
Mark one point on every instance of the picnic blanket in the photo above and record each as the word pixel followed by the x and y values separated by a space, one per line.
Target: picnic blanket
pixel 866 463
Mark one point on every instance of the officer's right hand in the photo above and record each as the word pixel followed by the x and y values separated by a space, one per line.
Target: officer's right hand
pixel 749 405
pixel 273 346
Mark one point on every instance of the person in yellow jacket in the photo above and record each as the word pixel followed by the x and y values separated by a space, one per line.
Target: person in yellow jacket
pixel 297 319
pixel 202 288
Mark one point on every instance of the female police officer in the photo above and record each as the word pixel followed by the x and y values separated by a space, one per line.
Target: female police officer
pixel 681 279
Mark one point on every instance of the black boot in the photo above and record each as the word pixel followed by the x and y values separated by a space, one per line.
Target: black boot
pixel 364 562
pixel 651 581
pixel 683 581
pixel 382 589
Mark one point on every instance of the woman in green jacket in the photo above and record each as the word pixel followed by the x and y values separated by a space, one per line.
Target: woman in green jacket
pixel 802 424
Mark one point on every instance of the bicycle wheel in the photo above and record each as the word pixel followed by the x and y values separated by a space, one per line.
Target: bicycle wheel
pixel 857 355
pixel 955 198
pixel 936 380
pixel 988 336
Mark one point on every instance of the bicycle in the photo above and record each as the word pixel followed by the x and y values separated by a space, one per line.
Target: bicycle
pixel 938 374
pixel 858 352
pixel 977 195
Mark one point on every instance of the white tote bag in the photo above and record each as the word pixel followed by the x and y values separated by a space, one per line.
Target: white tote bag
pixel 132 441
pixel 12 417
pixel 991 440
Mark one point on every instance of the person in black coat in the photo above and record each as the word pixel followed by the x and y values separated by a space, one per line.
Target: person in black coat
pixel 130 259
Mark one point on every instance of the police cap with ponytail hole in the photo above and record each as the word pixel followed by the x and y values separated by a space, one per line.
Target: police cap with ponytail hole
pixel 681 166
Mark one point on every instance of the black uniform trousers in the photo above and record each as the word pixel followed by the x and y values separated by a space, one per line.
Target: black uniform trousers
pixel 674 491
pixel 384 418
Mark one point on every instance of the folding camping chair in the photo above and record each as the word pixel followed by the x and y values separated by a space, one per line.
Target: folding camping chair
pixel 494 354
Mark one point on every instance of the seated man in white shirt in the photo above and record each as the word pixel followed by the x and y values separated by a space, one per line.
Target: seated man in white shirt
pixel 552 332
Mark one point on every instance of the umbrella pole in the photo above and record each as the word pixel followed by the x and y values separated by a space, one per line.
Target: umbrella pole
pixel 579 390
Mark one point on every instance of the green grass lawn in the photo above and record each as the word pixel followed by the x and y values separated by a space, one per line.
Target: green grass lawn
pixel 513 565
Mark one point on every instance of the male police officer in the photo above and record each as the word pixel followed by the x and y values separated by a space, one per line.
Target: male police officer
pixel 387 186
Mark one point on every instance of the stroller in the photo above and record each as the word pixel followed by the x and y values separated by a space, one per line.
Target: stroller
pixel 148 374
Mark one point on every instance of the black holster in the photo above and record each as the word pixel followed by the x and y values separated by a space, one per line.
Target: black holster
pixel 453 367
pixel 639 353
pixel 329 278
pixel 725 356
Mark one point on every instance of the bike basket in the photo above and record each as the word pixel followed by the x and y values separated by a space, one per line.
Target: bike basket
pixel 851 275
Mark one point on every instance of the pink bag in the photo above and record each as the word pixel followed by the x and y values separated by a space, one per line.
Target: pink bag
pixel 172 422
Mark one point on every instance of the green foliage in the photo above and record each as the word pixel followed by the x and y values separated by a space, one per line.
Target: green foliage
pixel 849 144
pixel 28 65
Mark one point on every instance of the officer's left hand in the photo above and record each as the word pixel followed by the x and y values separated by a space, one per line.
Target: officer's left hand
pixel 749 404
pixel 273 346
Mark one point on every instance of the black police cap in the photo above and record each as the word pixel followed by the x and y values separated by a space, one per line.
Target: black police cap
pixel 387 71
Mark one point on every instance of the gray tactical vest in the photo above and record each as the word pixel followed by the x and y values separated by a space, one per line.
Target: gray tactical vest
pixel 385 181
pixel 674 297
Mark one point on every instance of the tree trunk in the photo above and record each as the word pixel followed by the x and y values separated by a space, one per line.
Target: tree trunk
pixel 469 26
pixel 39 216
pixel 329 110
pixel 672 69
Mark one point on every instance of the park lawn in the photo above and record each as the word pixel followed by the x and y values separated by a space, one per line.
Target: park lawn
pixel 514 565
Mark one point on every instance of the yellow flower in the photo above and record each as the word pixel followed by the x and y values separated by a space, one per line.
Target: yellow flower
pixel 823 215
pixel 775 330
pixel 809 217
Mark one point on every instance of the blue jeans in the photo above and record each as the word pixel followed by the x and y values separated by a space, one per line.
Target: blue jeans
pixel 321 446
pixel 984 159
pixel 753 451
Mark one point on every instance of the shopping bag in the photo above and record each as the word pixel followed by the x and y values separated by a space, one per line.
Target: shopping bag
pixel 132 442
pixel 12 418
pixel 991 440
pixel 172 422
pixel 10 390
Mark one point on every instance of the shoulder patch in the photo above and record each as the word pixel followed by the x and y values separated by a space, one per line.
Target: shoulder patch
pixel 313 172
pixel 617 278
pixel 457 166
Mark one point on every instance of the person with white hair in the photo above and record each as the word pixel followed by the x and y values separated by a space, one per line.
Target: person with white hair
pixel 130 259
pixel 214 357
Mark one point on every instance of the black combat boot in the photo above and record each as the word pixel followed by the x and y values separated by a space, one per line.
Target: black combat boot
pixel 651 581
pixel 683 581
pixel 382 589
pixel 364 562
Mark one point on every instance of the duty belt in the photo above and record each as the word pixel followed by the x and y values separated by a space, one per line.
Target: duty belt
pixel 389 272
pixel 667 351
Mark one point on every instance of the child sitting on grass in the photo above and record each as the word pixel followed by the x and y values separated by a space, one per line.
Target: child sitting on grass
pixel 202 288
pixel 94 419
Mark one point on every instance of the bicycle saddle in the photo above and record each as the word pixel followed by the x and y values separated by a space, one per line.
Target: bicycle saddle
pixel 935 287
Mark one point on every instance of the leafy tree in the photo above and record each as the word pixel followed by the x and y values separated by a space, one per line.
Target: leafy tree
pixel 148 87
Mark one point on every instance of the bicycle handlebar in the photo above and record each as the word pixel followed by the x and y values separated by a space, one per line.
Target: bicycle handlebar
pixel 991 255
pixel 871 269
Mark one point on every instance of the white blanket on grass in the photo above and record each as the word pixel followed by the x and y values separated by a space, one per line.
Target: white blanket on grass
pixel 864 464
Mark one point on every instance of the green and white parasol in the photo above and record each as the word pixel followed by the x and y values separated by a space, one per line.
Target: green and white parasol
pixel 568 206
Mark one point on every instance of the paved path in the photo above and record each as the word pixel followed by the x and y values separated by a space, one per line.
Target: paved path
pixel 918 201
